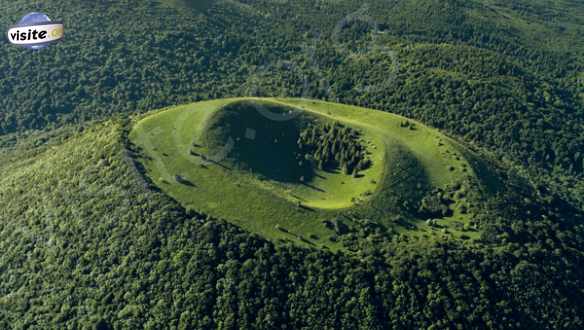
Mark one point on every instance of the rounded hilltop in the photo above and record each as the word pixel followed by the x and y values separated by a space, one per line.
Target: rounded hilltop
pixel 312 172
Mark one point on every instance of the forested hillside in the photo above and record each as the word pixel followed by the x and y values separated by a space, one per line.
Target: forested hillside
pixel 503 76
pixel 86 242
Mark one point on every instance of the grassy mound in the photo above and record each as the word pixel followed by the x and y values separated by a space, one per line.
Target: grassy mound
pixel 241 159
pixel 85 244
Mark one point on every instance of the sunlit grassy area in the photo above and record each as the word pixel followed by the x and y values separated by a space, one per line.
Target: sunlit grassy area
pixel 408 160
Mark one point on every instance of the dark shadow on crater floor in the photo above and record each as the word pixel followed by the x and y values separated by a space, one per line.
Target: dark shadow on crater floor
pixel 264 146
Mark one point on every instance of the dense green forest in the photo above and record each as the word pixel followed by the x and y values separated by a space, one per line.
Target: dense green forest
pixel 90 244
pixel 502 76
pixel 85 242
pixel 331 146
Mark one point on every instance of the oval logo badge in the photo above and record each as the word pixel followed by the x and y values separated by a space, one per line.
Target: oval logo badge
pixel 35 31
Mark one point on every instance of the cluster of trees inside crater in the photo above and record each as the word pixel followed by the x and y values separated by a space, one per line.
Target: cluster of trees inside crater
pixel 332 146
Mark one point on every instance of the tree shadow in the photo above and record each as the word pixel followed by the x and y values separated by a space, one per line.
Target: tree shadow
pixel 313 187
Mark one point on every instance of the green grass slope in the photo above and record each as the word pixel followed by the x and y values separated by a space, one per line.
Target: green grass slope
pixel 194 153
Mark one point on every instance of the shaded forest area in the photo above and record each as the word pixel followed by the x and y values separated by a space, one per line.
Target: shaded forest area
pixel 331 146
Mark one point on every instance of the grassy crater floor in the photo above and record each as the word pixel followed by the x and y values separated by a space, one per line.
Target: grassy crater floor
pixel 233 164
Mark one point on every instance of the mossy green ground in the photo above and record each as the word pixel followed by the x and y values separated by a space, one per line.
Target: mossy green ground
pixel 407 163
